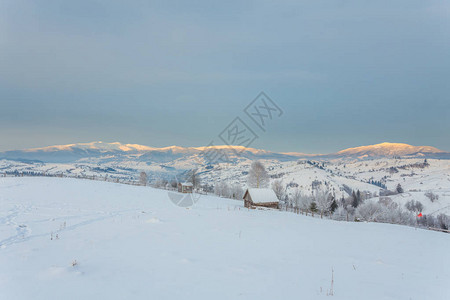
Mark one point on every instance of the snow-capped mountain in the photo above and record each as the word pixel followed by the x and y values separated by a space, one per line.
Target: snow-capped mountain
pixel 106 152
pixel 100 152
pixel 391 150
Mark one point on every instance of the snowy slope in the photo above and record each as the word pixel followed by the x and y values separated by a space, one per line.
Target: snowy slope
pixel 131 242
pixel 441 205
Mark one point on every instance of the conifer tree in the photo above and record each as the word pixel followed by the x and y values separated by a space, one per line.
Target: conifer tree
pixel 333 206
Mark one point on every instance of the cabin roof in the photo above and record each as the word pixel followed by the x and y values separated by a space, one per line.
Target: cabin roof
pixel 263 195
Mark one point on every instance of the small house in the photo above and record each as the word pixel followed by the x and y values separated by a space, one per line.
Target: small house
pixel 260 197
pixel 185 187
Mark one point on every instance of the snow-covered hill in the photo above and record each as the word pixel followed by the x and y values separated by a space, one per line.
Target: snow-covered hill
pixel 367 169
pixel 65 238
pixel 340 177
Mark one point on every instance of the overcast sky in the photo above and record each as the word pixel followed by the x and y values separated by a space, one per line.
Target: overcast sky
pixel 160 73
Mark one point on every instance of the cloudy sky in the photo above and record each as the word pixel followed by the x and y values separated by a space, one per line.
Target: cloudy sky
pixel 159 73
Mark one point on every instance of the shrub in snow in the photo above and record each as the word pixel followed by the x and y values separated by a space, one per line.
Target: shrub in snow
pixel 387 201
pixel 368 211
pixel 399 188
pixel 443 221
pixel 427 221
pixel 396 216
pixel 414 206
pixel 430 195
pixel 340 214
pixel 161 183
pixel 350 209
pixel 222 189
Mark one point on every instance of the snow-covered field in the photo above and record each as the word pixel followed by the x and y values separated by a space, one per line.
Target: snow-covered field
pixel 130 242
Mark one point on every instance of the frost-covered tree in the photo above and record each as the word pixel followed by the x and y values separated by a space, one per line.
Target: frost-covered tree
pixel 340 214
pixel 323 199
pixel 237 192
pixel 257 176
pixel 222 189
pixel 306 202
pixel 161 183
pixel 143 178
pixel 396 216
pixel 368 211
pixel 399 188
pixel 295 199
pixel 277 187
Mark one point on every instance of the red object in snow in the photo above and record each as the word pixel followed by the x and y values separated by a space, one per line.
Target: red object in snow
pixel 420 215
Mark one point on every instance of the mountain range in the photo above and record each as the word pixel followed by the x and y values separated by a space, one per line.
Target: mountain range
pixel 106 152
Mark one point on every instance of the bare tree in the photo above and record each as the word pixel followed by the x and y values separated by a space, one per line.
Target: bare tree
pixel 194 178
pixel 143 178
pixel 222 189
pixel 414 206
pixel 257 176
pixel 430 195
pixel 368 211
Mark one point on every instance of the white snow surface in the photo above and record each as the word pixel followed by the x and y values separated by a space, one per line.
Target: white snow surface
pixel 115 241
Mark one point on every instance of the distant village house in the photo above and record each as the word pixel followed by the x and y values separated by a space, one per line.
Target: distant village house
pixel 185 187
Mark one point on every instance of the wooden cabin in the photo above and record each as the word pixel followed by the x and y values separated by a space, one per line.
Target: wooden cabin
pixel 260 197
pixel 185 187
